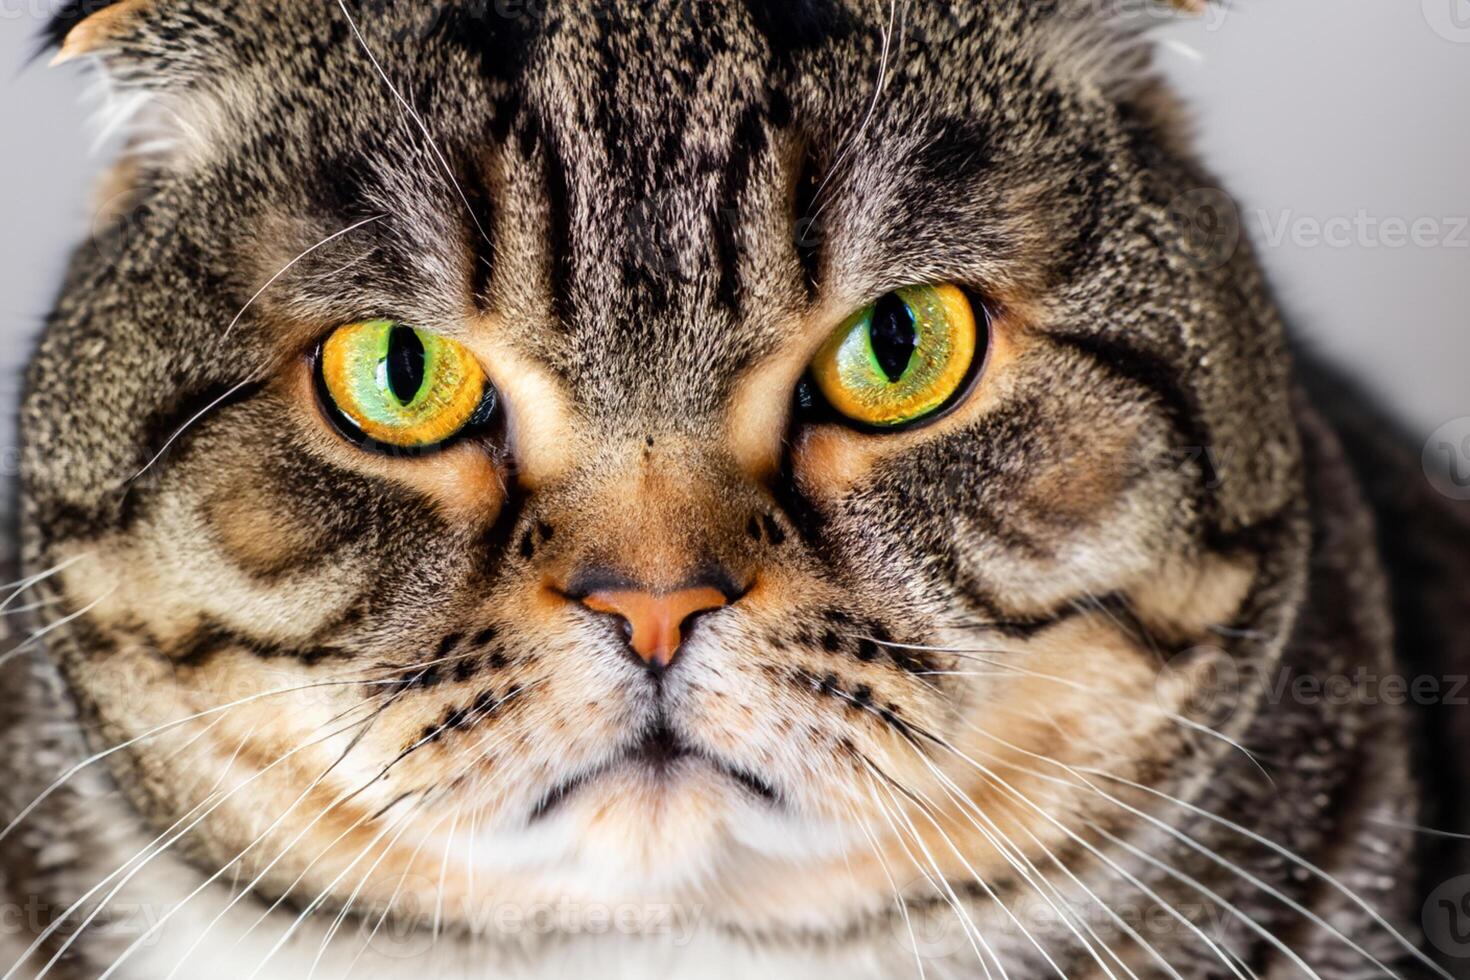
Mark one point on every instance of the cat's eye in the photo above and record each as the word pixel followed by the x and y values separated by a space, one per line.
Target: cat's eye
pixel 901 360
pixel 391 386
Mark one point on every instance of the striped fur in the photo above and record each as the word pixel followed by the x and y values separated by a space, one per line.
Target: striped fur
pixel 973 663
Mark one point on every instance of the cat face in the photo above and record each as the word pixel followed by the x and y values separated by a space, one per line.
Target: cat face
pixel 651 610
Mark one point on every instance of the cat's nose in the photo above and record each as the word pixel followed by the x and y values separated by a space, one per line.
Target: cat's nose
pixel 655 621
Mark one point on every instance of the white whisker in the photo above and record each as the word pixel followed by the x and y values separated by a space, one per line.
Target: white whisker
pixel 27 583
pixel 977 941
pixel 290 265
pixel 209 881
pixel 152 733
pixel 30 642
pixel 418 120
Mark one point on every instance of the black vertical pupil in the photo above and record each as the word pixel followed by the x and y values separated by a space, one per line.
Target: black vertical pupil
pixel 894 336
pixel 405 363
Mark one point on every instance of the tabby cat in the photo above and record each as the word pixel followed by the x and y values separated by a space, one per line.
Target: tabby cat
pixel 731 488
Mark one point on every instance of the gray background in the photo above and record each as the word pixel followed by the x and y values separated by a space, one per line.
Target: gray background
pixel 1316 114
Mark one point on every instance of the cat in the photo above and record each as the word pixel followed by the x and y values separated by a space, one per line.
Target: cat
pixel 781 488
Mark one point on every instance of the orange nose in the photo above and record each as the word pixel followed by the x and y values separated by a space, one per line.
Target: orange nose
pixel 655 618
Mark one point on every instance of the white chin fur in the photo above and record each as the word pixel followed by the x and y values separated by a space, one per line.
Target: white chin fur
pixel 630 833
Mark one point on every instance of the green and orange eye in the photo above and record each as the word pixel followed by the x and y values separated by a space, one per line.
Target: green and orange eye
pixel 390 386
pixel 902 360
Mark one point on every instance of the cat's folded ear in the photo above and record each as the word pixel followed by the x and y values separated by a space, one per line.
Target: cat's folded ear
pixel 133 31
pixel 164 61
pixel 153 44
pixel 88 26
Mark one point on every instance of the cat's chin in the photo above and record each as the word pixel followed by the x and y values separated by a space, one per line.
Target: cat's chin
pixel 651 828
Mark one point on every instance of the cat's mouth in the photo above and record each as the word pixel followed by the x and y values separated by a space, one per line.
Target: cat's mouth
pixel 661 755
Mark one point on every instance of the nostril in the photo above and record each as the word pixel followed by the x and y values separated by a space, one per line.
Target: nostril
pixel 653 622
pixel 723 582
pixel 690 620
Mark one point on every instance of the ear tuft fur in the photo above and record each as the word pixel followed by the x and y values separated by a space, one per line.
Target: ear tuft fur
pixel 1113 54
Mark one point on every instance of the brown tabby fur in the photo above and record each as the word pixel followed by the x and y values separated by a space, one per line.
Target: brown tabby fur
pixel 971 691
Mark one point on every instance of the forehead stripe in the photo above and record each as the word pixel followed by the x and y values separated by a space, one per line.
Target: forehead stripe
pixel 749 141
pixel 559 238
